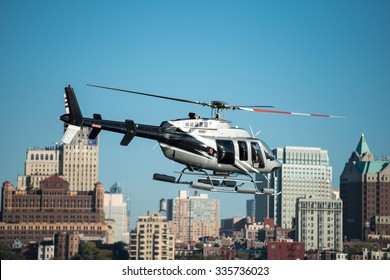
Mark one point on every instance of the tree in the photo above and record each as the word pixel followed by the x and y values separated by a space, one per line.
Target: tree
pixel 88 251
pixel 119 251
pixel 7 254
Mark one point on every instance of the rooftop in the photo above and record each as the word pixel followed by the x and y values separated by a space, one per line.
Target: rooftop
pixel 362 147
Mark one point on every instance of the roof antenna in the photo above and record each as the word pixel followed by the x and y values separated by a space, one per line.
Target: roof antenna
pixel 253 134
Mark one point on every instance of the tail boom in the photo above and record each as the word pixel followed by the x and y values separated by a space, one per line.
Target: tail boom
pixel 75 121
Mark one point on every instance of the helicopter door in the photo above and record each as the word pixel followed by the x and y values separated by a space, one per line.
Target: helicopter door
pixel 225 151
pixel 257 159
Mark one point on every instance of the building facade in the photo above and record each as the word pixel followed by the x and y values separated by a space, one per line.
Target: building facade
pixel 77 163
pixel 285 250
pixel 67 245
pixel 116 209
pixel 152 239
pixel 192 217
pixel 234 227
pixel 81 161
pixel 319 224
pixel 46 250
pixel 250 208
pixel 306 172
pixel 365 191
pixel 33 215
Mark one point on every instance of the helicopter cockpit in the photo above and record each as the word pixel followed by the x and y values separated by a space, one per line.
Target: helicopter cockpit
pixel 250 155
pixel 263 158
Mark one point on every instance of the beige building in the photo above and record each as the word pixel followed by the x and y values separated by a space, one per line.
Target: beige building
pixel 81 161
pixel 152 239
pixel 77 163
pixel 193 217
pixel 40 163
pixel 319 223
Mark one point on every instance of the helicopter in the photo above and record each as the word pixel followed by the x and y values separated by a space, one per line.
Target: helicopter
pixel 224 158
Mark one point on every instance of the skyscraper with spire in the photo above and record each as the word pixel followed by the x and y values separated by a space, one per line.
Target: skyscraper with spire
pixel 365 191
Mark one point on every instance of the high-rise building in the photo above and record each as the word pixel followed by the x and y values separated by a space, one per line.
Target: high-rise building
pixel 305 171
pixel 76 162
pixel 116 208
pixel 193 217
pixel 118 187
pixel 80 163
pixel 319 223
pixel 152 239
pixel 250 208
pixel 365 191
pixel 264 204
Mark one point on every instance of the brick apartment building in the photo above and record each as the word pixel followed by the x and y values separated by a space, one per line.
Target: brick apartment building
pixel 32 215
pixel 285 250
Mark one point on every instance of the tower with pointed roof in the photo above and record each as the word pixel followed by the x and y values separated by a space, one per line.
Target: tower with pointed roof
pixel 365 191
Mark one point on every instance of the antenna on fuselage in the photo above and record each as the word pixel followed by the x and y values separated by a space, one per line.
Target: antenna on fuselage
pixel 253 134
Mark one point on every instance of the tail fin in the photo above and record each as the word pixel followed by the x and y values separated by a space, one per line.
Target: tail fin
pixel 72 116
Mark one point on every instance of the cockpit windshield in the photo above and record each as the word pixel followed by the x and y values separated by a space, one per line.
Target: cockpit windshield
pixel 268 152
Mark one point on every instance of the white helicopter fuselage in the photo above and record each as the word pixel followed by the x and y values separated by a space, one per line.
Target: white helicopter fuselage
pixel 214 145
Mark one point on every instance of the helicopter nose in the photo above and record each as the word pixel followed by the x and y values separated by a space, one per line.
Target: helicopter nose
pixel 277 165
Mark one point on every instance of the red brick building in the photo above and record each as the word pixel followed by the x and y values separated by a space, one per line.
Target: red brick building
pixel 285 250
pixel 35 214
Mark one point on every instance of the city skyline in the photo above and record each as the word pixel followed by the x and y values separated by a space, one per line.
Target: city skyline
pixel 307 57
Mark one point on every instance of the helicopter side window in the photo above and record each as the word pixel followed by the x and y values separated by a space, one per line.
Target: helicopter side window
pixel 256 155
pixel 243 150
pixel 225 151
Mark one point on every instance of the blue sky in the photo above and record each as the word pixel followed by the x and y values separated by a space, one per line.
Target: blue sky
pixel 327 57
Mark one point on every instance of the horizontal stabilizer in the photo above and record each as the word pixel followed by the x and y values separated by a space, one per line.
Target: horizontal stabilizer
pixel 96 128
pixel 70 133
pixel 130 133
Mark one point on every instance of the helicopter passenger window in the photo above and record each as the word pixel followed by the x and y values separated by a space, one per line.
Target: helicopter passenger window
pixel 225 151
pixel 243 149
pixel 256 155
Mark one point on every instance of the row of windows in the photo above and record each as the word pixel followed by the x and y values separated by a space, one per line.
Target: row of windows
pixel 42 157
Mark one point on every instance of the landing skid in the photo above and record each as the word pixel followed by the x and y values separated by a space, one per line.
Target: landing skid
pixel 226 183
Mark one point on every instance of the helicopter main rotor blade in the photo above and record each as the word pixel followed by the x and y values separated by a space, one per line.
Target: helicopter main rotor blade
pixel 154 95
pixel 250 107
pixel 257 110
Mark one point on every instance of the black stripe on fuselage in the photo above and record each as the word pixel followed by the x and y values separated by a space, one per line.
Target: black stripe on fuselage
pixel 169 135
